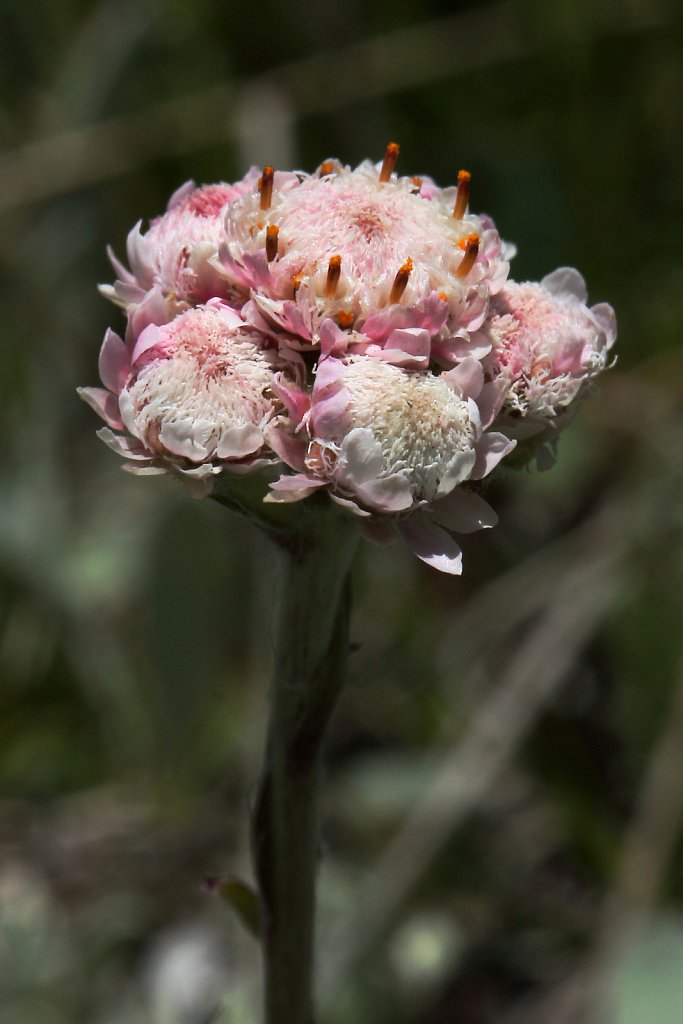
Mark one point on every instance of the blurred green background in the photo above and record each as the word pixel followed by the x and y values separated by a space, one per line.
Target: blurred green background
pixel 504 811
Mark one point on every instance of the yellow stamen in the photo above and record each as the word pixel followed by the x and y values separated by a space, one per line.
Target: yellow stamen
pixel 462 196
pixel 265 187
pixel 333 275
pixel 470 257
pixel 389 162
pixel 272 231
pixel 401 281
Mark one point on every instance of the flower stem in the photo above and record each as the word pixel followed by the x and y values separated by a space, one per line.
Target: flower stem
pixel 310 668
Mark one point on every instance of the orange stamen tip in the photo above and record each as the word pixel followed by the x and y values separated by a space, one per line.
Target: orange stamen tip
pixel 462 195
pixel 265 187
pixel 467 240
pixel 296 282
pixel 470 257
pixel 272 231
pixel 401 281
pixel 333 275
pixel 345 319
pixel 443 296
pixel 389 162
pixel 326 168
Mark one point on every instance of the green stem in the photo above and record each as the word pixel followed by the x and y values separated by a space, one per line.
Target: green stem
pixel 310 669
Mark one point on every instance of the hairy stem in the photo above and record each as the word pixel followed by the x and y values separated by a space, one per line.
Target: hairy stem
pixel 310 668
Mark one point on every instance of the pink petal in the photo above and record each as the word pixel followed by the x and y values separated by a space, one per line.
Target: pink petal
pixel 295 401
pixel 569 358
pixel 150 338
pixel 459 469
pixel 180 194
pixel 491 399
pixel 432 544
pixel 350 506
pixel 230 316
pixel 329 375
pixel 290 448
pixel 607 322
pixel 333 341
pixel 409 347
pixel 257 268
pixel 122 272
pixel 114 362
pixel 463 512
pixel 105 405
pixel 458 346
pixel 327 416
pixel 137 470
pixel 467 379
pixel 430 314
pixel 238 442
pixel 179 437
pixel 139 256
pixel 293 488
pixel 128 447
pixel 361 454
pixel 124 293
pixel 390 494
pixel 566 284
pixel 153 308
pixel 490 450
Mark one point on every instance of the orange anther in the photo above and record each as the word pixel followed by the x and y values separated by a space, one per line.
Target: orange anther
pixel 401 281
pixel 467 240
pixel 265 187
pixel 462 196
pixel 272 231
pixel 326 168
pixel 389 162
pixel 345 319
pixel 470 257
pixel 333 275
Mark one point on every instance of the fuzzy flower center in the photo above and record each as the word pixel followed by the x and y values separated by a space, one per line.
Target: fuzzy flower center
pixel 420 423
pixel 528 326
pixel 374 226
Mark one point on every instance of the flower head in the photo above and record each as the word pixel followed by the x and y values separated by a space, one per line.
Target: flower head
pixel 354 329
pixel 170 265
pixel 389 443
pixel 547 344
pixel 195 395
pixel 349 244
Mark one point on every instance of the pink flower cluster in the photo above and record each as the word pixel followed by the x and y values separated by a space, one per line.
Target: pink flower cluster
pixel 353 331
